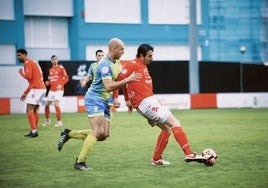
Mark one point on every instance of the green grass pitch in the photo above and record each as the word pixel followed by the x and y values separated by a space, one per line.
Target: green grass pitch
pixel 239 136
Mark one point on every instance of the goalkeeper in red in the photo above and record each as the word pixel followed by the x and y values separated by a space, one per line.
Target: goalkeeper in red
pixel 139 95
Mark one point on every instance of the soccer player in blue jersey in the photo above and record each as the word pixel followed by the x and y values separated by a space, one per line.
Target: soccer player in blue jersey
pixel 92 68
pixel 96 103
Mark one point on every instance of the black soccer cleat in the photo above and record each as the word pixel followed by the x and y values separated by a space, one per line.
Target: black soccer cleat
pixel 64 137
pixel 31 135
pixel 193 157
pixel 81 166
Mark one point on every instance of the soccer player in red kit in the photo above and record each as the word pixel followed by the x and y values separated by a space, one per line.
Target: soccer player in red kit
pixel 57 79
pixel 139 95
pixel 34 93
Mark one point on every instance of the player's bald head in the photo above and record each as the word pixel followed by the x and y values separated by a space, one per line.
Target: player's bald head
pixel 115 42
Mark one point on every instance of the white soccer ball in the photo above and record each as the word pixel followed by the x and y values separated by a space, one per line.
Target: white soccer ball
pixel 211 157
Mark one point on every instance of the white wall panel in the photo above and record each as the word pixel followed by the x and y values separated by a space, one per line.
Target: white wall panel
pixel 161 52
pixel 112 11
pixel 62 8
pixel 172 11
pixel 7 54
pixel 12 84
pixel 7 10
pixel 242 100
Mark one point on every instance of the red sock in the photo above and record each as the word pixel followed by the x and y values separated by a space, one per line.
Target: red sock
pixel 36 119
pixel 32 120
pixel 181 138
pixel 58 113
pixel 161 144
pixel 47 112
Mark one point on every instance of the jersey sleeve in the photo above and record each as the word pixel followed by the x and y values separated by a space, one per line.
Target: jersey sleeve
pixel 28 71
pixel 27 90
pixel 90 70
pixel 105 71
pixel 65 77
pixel 127 70
pixel 116 93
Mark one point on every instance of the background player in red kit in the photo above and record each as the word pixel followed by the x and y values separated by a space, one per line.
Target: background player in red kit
pixel 139 95
pixel 34 93
pixel 57 79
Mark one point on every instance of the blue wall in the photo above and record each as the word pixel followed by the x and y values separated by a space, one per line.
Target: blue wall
pixel 12 31
pixel 234 24
pixel 83 33
pixel 226 25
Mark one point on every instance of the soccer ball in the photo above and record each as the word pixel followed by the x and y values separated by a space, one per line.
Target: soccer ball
pixel 211 157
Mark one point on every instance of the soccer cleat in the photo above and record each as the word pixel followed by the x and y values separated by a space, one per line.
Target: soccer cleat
pixel 193 157
pixel 64 137
pixel 81 166
pixel 58 124
pixel 160 162
pixel 47 123
pixel 31 135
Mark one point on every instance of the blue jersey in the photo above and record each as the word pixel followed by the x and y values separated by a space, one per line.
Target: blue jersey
pixel 92 69
pixel 105 69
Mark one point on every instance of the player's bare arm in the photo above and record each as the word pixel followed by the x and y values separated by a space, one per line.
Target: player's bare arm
pixel 116 103
pixel 23 97
pixel 21 72
pixel 84 81
pixel 110 85
pixel 130 107
pixel 59 87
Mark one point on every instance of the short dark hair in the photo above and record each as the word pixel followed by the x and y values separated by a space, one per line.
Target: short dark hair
pixel 143 49
pixel 53 56
pixel 99 50
pixel 22 51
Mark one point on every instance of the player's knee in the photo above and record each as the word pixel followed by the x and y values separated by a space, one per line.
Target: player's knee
pixel 101 137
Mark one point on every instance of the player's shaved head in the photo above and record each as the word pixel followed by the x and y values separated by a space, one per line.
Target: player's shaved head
pixel 116 48
pixel 115 42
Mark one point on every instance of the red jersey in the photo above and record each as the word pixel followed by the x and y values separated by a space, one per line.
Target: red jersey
pixel 34 75
pixel 57 76
pixel 139 90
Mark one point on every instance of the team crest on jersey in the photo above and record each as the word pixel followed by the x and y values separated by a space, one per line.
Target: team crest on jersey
pixel 104 70
pixel 124 71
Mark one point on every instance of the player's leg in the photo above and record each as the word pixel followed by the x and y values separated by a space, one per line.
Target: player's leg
pixel 31 120
pixel 149 108
pixel 161 144
pixel 108 115
pixel 33 99
pixel 67 134
pixel 80 134
pixel 99 122
pixel 47 109
pixel 98 134
pixel 57 99
pixel 178 133
pixel 181 138
pixel 36 110
pixel 58 113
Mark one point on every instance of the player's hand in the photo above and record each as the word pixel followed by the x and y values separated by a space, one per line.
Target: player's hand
pixel 58 87
pixel 134 77
pixel 130 107
pixel 23 97
pixel 83 83
pixel 21 72
pixel 116 103
pixel 47 83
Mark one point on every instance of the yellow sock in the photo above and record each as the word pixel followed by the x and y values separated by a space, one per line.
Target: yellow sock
pixel 88 146
pixel 80 134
